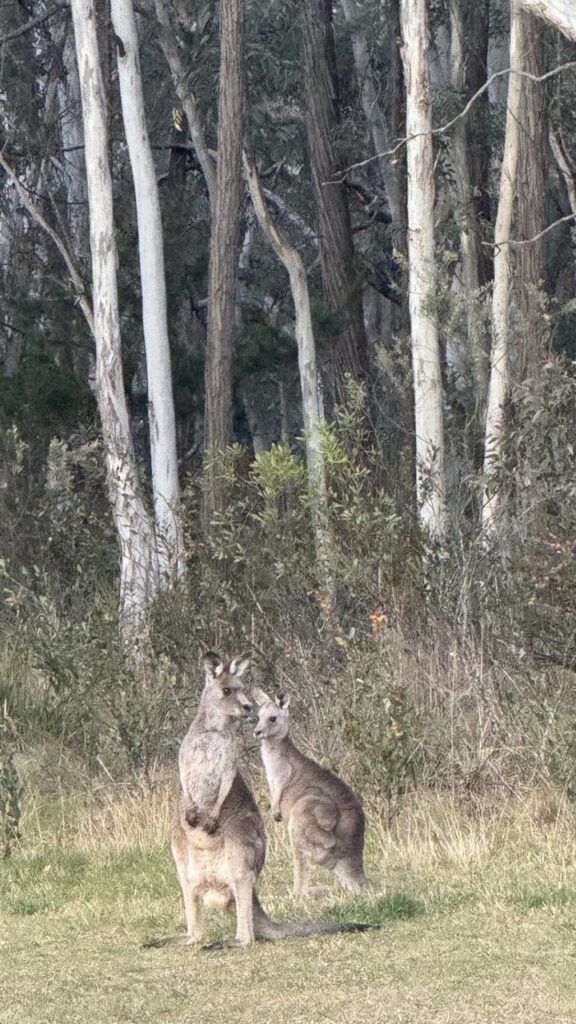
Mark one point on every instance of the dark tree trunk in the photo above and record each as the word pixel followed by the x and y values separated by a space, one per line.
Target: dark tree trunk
pixel 225 238
pixel 533 170
pixel 348 353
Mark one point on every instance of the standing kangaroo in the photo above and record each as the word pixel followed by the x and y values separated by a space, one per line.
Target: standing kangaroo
pixel 325 819
pixel 218 840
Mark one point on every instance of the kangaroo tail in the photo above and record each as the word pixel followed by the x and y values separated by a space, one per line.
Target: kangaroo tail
pixel 265 928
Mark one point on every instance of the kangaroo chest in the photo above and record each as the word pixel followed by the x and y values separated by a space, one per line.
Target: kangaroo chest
pixel 278 770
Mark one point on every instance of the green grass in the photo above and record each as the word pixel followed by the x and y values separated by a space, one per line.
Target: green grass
pixel 476 916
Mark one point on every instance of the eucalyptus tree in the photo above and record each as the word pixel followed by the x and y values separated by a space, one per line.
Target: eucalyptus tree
pixel 561 14
pixel 162 430
pixel 339 271
pixel 312 407
pixel 134 526
pixel 224 243
pixel 427 377
pixel 492 506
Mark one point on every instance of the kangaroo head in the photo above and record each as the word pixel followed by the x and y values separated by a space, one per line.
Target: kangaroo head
pixel 223 683
pixel 272 716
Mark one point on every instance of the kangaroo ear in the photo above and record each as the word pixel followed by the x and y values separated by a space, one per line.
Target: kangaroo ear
pixel 213 664
pixel 283 701
pixel 238 666
pixel 260 697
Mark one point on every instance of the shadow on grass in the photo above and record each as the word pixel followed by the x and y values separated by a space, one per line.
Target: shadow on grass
pixel 394 906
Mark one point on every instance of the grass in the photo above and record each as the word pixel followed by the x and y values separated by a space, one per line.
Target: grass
pixel 476 908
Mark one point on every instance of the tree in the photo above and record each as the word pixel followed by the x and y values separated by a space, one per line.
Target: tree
pixel 224 241
pixel 427 378
pixel 492 504
pixel 531 216
pixel 312 411
pixel 348 352
pixel 138 561
pixel 559 13
pixel 162 428
pixel 467 186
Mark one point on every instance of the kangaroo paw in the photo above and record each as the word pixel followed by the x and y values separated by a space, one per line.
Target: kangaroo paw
pixel 192 816
pixel 211 826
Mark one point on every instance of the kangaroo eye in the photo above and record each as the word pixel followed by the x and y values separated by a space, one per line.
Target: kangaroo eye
pixel 273 718
pixel 226 691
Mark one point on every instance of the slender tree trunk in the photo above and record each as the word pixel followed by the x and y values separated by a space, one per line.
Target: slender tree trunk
pixel 154 313
pixel 466 212
pixel 224 243
pixel 531 217
pixel 312 411
pixel 428 397
pixel 349 353
pixel 70 122
pixel 492 506
pixel 138 564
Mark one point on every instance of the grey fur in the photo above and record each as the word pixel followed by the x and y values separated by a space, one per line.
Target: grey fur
pixel 324 817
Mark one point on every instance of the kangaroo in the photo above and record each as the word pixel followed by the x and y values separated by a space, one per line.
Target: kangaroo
pixel 217 839
pixel 325 819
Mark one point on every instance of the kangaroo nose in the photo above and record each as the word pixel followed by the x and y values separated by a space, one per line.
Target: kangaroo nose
pixel 246 706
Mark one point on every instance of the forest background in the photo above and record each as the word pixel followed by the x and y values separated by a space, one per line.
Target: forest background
pixel 355 456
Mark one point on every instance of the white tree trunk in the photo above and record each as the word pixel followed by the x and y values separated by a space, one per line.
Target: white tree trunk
pixel 559 13
pixel 428 398
pixel 138 565
pixel 312 411
pixel 499 354
pixel 154 315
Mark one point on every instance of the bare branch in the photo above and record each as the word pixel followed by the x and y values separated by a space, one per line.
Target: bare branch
pixel 35 212
pixel 528 241
pixel 449 124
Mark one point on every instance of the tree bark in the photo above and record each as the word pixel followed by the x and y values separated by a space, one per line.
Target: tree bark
pixel 349 351
pixel 162 427
pixel 138 564
pixel 531 217
pixel 561 14
pixel 224 243
pixel 428 398
pixel 466 212
pixel 567 173
pixel 312 411
pixel 493 504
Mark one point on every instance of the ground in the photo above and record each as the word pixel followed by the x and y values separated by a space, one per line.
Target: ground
pixel 475 908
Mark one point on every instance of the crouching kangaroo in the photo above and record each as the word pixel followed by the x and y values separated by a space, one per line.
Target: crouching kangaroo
pixel 218 840
pixel 325 819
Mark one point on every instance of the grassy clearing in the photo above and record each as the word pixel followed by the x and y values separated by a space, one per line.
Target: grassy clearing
pixel 476 907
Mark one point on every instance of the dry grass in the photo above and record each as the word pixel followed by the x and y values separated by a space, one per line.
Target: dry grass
pixel 475 904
